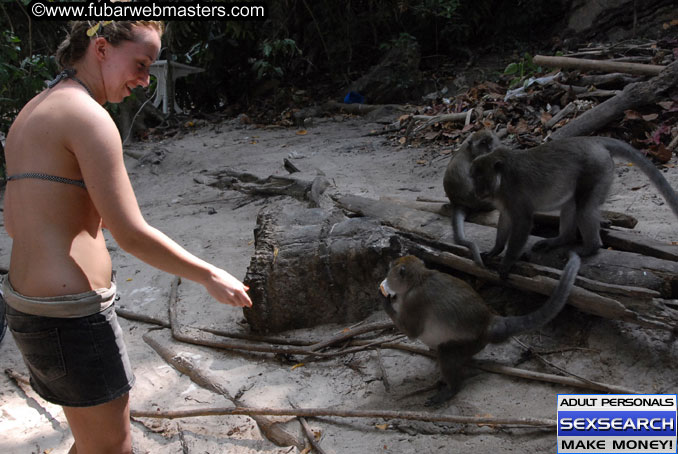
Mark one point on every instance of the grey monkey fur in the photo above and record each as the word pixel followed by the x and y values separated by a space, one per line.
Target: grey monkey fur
pixel 459 188
pixel 449 316
pixel 573 175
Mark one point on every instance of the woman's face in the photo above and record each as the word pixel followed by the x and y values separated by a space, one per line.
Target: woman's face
pixel 127 65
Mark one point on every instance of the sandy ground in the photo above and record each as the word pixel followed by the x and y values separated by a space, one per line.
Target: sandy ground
pixel 210 223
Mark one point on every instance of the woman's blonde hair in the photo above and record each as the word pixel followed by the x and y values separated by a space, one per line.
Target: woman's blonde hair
pixel 73 48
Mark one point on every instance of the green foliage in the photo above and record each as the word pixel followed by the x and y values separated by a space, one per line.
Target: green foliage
pixel 521 70
pixel 301 43
pixel 275 56
pixel 444 9
pixel 21 78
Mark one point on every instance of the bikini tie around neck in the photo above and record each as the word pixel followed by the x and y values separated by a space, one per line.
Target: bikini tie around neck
pixel 68 73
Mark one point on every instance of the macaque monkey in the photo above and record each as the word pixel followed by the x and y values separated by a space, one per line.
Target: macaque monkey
pixel 459 188
pixel 572 174
pixel 447 315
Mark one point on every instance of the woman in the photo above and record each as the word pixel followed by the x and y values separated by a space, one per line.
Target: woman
pixel 67 180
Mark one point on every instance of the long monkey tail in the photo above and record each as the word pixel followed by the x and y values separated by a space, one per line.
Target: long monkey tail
pixel 501 328
pixel 626 151
pixel 458 218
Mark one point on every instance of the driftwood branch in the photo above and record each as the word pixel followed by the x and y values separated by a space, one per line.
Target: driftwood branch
pixel 361 109
pixel 137 317
pixel 564 112
pixel 611 270
pixel 625 241
pixel 548 363
pixel 607 80
pixel 269 428
pixel 194 336
pixel 581 298
pixel 598 65
pixel 496 368
pixel 340 413
pixel 19 379
pixel 442 207
pixel 311 436
pixel 632 96
pixel 309 433
pixel 550 378
pixel 350 333
pixel 430 120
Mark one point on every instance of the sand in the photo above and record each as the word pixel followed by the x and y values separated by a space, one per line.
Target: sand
pixel 218 226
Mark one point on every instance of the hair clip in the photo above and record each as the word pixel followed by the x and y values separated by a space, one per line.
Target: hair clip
pixel 95 28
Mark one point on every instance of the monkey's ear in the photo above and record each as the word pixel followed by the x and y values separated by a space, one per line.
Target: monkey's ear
pixel 498 165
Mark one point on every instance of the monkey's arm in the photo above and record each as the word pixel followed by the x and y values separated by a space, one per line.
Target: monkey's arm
pixel 413 312
pixel 520 226
pixel 503 230
pixel 402 320
pixel 388 308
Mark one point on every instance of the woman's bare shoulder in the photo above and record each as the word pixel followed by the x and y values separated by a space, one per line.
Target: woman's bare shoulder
pixel 82 120
pixel 62 110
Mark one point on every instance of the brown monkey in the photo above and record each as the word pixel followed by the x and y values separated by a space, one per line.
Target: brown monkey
pixel 459 188
pixel 449 316
pixel 573 174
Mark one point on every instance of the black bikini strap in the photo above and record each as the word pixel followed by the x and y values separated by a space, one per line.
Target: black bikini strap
pixel 43 176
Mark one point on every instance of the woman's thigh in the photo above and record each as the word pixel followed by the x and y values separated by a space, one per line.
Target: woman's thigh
pixel 102 428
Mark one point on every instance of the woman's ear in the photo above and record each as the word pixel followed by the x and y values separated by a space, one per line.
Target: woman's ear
pixel 100 47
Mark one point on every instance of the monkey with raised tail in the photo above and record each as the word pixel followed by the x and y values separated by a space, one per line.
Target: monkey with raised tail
pixel 573 175
pixel 459 187
pixel 449 316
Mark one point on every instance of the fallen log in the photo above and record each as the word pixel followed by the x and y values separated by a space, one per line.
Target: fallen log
pixel 598 65
pixel 300 185
pixel 609 80
pixel 346 258
pixel 611 218
pixel 632 96
pixel 620 277
pixel 625 241
pixel 313 266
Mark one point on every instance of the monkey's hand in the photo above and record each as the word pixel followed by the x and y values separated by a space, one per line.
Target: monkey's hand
pixel 387 300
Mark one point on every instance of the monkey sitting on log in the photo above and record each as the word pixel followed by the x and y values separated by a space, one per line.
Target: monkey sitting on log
pixel 449 316
pixel 573 174
pixel 459 187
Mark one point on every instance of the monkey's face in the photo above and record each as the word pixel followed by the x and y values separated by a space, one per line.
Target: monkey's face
pixel 486 176
pixel 399 279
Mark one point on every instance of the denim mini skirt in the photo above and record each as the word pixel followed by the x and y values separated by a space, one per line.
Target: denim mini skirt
pixel 73 362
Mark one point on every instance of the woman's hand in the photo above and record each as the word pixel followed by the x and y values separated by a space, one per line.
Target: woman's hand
pixel 227 289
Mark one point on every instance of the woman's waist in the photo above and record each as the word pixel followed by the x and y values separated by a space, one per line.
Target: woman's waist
pixel 63 306
pixel 49 270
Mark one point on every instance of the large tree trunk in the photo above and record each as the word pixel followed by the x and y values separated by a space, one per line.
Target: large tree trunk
pixel 314 266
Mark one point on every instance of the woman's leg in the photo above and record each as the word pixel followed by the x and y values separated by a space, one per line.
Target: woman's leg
pixel 102 428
